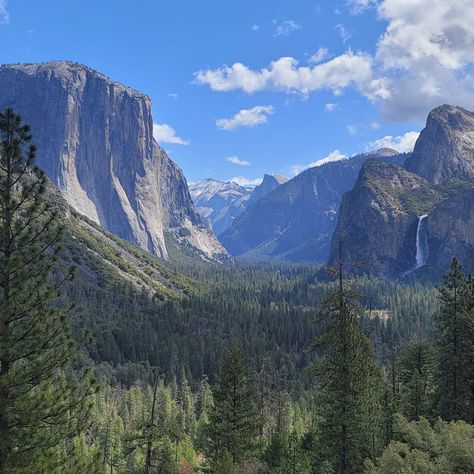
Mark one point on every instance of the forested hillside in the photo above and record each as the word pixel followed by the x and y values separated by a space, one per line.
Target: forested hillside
pixel 114 361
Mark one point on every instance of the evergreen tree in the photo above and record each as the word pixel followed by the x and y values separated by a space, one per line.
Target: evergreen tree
pixel 454 345
pixel 350 386
pixel 233 426
pixel 38 407
pixel 416 374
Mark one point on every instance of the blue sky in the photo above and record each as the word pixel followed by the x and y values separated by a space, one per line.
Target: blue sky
pixel 263 86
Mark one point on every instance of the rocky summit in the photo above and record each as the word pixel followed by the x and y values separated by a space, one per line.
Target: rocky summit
pixel 445 148
pixel 95 141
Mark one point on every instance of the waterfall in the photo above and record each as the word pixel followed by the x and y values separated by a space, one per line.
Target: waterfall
pixel 421 255
pixel 421 243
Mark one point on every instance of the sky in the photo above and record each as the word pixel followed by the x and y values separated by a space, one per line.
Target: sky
pixel 243 88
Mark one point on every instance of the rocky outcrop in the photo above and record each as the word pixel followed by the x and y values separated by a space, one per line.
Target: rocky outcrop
pixel 95 141
pixel 445 148
pixel 269 183
pixel 378 220
pixel 296 221
pixel 219 202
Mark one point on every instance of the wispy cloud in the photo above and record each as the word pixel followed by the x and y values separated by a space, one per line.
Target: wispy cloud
pixel 320 55
pixel 247 182
pixel 4 15
pixel 286 27
pixel 351 130
pixel 330 106
pixel 246 118
pixel 402 143
pixel 235 160
pixel 173 95
pixel 255 27
pixel 335 155
pixel 343 32
pixel 358 6
pixel 164 133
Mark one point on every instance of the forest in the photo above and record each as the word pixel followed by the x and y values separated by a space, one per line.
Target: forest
pixel 255 368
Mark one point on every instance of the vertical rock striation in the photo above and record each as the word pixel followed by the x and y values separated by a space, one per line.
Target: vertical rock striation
pixel 95 141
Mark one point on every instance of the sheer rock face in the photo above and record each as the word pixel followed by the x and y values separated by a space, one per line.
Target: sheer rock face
pixel 95 141
pixel 270 183
pixel 378 219
pixel 445 149
pixel 297 219
pixel 450 230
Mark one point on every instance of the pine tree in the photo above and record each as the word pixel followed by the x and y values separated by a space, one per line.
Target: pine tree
pixel 416 374
pixel 233 426
pixel 350 394
pixel 39 408
pixel 454 346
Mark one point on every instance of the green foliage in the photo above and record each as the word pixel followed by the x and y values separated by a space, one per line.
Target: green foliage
pixel 418 447
pixel 350 388
pixel 40 407
pixel 417 379
pixel 233 424
pixel 455 346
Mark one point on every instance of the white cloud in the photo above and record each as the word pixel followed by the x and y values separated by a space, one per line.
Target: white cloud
pixel 235 160
pixel 402 143
pixel 335 155
pixel 4 15
pixel 163 133
pixel 284 74
pixel 375 125
pixel 246 118
pixel 330 106
pixel 424 58
pixel 247 182
pixel 320 55
pixel 343 32
pixel 174 95
pixel 286 27
pixel 255 27
pixel 427 51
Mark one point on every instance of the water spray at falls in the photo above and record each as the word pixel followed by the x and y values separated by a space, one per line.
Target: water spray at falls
pixel 421 255
pixel 421 243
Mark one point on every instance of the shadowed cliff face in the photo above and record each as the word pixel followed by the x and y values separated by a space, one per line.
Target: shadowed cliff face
pixel 445 148
pixel 450 229
pixel 378 219
pixel 95 141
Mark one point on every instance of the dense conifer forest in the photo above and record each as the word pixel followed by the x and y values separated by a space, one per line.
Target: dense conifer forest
pixel 252 368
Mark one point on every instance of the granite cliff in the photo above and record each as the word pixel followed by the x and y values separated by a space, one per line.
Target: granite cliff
pixel 95 141
pixel 415 220
pixel 378 220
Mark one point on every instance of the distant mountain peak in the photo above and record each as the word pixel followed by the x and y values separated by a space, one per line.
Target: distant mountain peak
pixel 445 149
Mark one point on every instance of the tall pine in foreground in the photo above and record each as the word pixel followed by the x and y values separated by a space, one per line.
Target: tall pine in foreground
pixel 455 346
pixel 350 390
pixel 233 425
pixel 40 411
